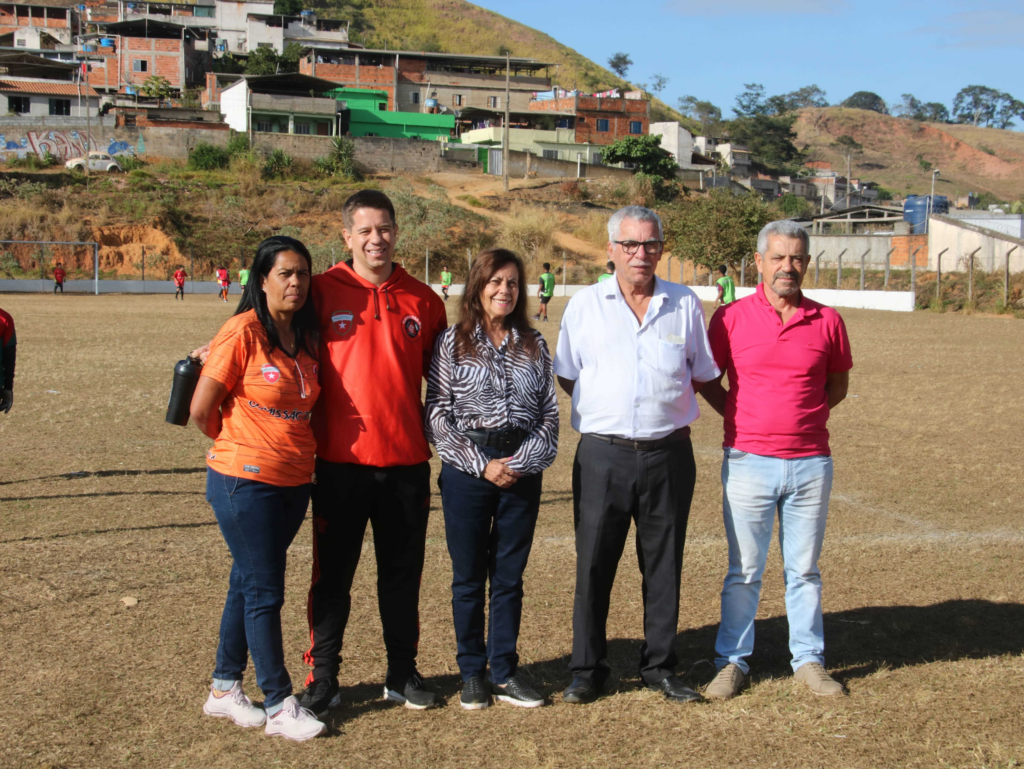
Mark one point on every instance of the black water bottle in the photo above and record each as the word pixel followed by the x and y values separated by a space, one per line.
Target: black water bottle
pixel 186 377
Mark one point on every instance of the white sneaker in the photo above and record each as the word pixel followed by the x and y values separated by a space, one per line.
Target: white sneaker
pixel 235 705
pixel 295 722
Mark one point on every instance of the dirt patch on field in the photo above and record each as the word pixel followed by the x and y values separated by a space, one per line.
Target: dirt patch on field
pixel 923 569
pixel 122 248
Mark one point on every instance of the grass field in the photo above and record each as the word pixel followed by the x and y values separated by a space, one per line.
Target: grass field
pixel 923 577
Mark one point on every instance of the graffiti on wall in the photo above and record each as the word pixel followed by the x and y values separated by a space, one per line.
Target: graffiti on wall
pixel 61 144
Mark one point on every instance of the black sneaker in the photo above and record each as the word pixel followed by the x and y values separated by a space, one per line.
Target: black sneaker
pixel 517 692
pixel 474 694
pixel 410 693
pixel 320 696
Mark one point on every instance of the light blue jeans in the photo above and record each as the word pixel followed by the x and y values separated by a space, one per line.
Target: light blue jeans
pixel 754 489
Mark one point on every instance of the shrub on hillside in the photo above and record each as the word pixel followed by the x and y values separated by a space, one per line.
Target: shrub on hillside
pixel 238 144
pixel 530 232
pixel 277 163
pixel 130 163
pixel 341 161
pixel 575 190
pixel 207 157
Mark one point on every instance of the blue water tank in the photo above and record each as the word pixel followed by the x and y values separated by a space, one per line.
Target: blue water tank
pixel 89 48
pixel 915 211
pixel 107 42
pixel 430 102
pixel 307 13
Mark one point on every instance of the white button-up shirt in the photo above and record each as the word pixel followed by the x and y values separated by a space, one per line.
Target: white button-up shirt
pixel 633 380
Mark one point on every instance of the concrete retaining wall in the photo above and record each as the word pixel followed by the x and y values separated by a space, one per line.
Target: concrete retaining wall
pixel 833 245
pixel 959 239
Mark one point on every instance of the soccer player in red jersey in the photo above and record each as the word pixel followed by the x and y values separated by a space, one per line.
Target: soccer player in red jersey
pixel 179 283
pixel 8 348
pixel 225 281
pixel 58 277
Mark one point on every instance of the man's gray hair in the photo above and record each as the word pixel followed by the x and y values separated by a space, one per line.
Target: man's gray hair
pixel 637 214
pixel 784 228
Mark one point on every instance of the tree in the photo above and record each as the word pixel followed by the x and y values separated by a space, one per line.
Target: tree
pixel 716 228
pixel 976 104
pixel 157 87
pixel 645 152
pixel 795 206
pixel 704 112
pixel 289 60
pixel 910 107
pixel 287 7
pixel 504 50
pixel 935 112
pixel 658 83
pixel 769 138
pixel 1009 109
pixel 751 102
pixel 866 100
pixel 262 61
pixel 620 64
pixel 808 96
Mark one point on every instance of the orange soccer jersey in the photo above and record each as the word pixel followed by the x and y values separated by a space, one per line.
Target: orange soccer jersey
pixel 265 433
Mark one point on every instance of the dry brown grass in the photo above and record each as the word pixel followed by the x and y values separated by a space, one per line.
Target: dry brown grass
pixel 593 228
pixel 923 575
pixel 530 232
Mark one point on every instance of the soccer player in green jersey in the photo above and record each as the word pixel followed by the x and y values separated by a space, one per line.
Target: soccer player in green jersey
pixel 446 281
pixel 726 288
pixel 547 290
pixel 243 277
pixel 609 272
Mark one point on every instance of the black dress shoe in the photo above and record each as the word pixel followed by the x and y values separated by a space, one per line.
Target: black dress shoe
pixel 582 690
pixel 674 689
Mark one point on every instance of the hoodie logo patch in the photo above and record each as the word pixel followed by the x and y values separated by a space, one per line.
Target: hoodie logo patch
pixel 271 373
pixel 411 325
pixel 342 322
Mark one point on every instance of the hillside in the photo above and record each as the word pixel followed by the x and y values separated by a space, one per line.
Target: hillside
pixel 456 26
pixel 970 159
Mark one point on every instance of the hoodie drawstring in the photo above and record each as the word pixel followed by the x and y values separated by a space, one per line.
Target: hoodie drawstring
pixel 387 301
pixel 376 305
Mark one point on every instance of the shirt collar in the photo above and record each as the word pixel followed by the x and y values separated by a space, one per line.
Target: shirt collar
pixel 807 308
pixel 612 290
pixel 513 334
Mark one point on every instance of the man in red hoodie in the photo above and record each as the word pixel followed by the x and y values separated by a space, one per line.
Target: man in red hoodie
pixel 377 331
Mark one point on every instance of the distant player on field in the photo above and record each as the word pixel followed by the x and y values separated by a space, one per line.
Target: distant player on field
pixel 609 272
pixel 446 281
pixel 8 348
pixel 546 291
pixel 179 282
pixel 243 278
pixel 58 277
pixel 726 288
pixel 224 279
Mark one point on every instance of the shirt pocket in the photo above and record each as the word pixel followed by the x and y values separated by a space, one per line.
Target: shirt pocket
pixel 672 360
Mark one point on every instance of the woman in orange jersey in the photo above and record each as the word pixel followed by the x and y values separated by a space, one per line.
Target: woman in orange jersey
pixel 254 399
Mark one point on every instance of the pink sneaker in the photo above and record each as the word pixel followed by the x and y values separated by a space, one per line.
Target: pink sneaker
pixel 235 705
pixel 295 722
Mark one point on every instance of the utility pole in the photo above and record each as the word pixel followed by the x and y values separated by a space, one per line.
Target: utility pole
pixel 927 221
pixel 504 130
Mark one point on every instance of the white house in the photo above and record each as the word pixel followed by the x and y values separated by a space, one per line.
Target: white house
pixel 678 141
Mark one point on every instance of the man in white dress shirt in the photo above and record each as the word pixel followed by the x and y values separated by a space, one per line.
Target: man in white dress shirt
pixel 630 352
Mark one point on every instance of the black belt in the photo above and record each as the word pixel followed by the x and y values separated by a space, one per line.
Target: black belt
pixel 675 437
pixel 506 439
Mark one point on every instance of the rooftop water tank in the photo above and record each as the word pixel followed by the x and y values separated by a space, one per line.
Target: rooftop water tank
pixel 915 211
pixel 88 48
pixel 107 42
pixel 430 103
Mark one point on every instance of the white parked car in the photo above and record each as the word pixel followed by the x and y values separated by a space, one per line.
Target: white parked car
pixel 98 161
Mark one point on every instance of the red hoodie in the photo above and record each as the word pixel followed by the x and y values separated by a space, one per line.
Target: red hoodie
pixel 375 347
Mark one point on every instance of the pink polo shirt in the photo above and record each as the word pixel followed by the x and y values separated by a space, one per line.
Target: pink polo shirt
pixel 777 405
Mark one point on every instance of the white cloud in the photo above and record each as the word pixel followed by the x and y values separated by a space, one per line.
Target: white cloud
pixel 754 7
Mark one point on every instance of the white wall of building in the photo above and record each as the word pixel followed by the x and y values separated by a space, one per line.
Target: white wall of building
pixel 677 140
pixel 233 103
pixel 39 105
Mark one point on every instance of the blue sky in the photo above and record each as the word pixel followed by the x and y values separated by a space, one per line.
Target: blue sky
pixel 710 48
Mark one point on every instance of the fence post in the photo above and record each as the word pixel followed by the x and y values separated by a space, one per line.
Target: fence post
pixel 426 269
pixel 938 275
pixel 970 274
pixel 96 267
pixel 839 269
pixel 862 256
pixel 817 264
pixel 469 260
pixel 143 269
pixel 42 265
pixel 743 272
pixel 333 260
pixel 711 276
pixel 670 269
pixel 1006 278
pixel 563 274
pixel 191 270
pixel 886 284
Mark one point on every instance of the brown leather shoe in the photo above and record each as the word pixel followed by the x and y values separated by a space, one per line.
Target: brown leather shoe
pixel 727 683
pixel 817 680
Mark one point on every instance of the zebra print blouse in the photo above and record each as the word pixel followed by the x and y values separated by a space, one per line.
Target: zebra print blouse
pixel 494 389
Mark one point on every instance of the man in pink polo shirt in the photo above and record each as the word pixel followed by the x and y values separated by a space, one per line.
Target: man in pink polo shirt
pixel 788 361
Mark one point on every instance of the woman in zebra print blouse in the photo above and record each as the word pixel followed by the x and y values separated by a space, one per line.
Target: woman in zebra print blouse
pixel 491 412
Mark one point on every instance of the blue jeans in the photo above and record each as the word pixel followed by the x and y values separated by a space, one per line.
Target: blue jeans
pixel 754 489
pixel 259 522
pixel 490 533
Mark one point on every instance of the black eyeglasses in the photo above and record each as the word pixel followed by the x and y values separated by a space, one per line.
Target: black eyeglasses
pixel 651 247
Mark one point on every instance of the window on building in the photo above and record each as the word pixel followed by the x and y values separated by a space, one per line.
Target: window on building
pixel 19 105
pixel 140 65
pixel 203 10
pixel 22 43
pixel 382 107
pixel 551 154
pixel 635 127
pixel 602 125
pixel 302 128
pixel 60 106
pixel 596 158
pixel 457 100
pixel 263 126
pixel 494 102
pixel 414 98
pixel 264 45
